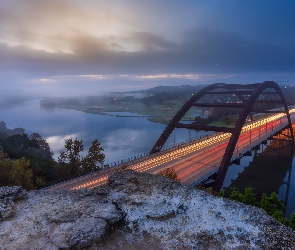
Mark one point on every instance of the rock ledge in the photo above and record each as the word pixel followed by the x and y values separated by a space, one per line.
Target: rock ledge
pixel 136 211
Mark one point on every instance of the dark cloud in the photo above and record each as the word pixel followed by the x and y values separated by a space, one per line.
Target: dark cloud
pixel 200 51
pixel 49 44
pixel 230 36
pixel 234 52
pixel 150 41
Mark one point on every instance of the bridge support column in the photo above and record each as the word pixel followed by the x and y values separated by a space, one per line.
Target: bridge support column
pixel 248 95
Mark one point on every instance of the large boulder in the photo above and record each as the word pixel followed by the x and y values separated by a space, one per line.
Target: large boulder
pixel 7 196
pixel 139 211
pixel 14 193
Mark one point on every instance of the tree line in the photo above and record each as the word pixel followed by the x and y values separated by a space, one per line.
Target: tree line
pixel 270 204
pixel 26 160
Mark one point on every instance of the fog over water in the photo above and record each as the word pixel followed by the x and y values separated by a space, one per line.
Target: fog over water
pixel 121 137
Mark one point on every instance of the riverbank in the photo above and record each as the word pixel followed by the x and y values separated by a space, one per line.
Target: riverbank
pixel 156 113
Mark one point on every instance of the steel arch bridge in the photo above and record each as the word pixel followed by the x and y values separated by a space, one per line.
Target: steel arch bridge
pixel 248 96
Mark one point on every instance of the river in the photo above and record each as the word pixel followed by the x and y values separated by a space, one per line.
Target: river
pixel 121 137
pixel 128 136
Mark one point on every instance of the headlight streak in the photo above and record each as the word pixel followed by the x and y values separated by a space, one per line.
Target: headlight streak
pixel 206 152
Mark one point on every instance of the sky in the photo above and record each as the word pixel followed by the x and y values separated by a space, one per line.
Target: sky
pixel 82 47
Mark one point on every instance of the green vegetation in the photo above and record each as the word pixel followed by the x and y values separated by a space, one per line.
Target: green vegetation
pixel 160 103
pixel 16 173
pixel 170 173
pixel 271 204
pixel 203 121
pixel 73 163
pixel 230 119
pixel 27 160
pixel 30 154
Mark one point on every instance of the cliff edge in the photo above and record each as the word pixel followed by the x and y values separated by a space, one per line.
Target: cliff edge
pixel 135 211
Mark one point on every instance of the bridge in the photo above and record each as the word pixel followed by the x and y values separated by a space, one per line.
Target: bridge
pixel 199 160
pixel 263 173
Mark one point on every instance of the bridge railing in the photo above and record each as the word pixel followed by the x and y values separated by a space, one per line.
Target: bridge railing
pixel 126 163
pixel 129 163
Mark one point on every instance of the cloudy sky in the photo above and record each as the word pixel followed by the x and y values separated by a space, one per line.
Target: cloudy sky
pixel 66 47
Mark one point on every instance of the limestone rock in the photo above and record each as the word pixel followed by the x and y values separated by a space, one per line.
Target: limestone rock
pixel 59 220
pixel 7 196
pixel 6 208
pixel 139 211
pixel 14 193
pixel 168 215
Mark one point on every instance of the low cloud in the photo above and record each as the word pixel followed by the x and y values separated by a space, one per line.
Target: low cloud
pixel 58 42
pixel 200 51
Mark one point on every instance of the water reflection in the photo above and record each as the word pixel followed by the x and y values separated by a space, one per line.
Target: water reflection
pixel 121 137
pixel 57 142
pixel 270 169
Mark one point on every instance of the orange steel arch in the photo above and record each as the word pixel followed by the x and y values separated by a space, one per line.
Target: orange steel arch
pixel 251 91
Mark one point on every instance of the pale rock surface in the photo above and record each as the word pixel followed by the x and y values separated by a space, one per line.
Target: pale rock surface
pixel 7 196
pixel 138 211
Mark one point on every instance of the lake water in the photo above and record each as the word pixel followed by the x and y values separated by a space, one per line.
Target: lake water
pixel 121 137
pixel 124 137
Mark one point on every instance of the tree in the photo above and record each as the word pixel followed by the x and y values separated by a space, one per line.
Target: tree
pixel 21 141
pixel 94 159
pixel 230 119
pixel 201 121
pixel 292 221
pixel 221 193
pixel 16 173
pixel 77 164
pixel 219 113
pixel 71 157
pixel 235 195
pixel 272 205
pixel 17 146
pixel 43 144
pixel 170 173
pixel 3 129
pixel 266 205
pixel 249 197
pixel 280 217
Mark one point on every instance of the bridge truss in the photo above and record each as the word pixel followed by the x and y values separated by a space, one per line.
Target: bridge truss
pixel 249 98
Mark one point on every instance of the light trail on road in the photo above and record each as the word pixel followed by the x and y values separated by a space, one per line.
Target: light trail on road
pixel 192 160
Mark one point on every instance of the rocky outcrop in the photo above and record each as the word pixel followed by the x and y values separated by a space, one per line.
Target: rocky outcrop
pixel 7 196
pixel 13 193
pixel 139 211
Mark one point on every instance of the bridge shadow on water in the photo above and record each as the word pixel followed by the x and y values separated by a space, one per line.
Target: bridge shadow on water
pixel 268 170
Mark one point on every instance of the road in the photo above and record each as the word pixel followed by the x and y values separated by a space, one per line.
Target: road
pixel 192 160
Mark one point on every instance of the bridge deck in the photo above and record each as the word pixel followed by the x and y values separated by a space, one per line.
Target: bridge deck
pixel 193 160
